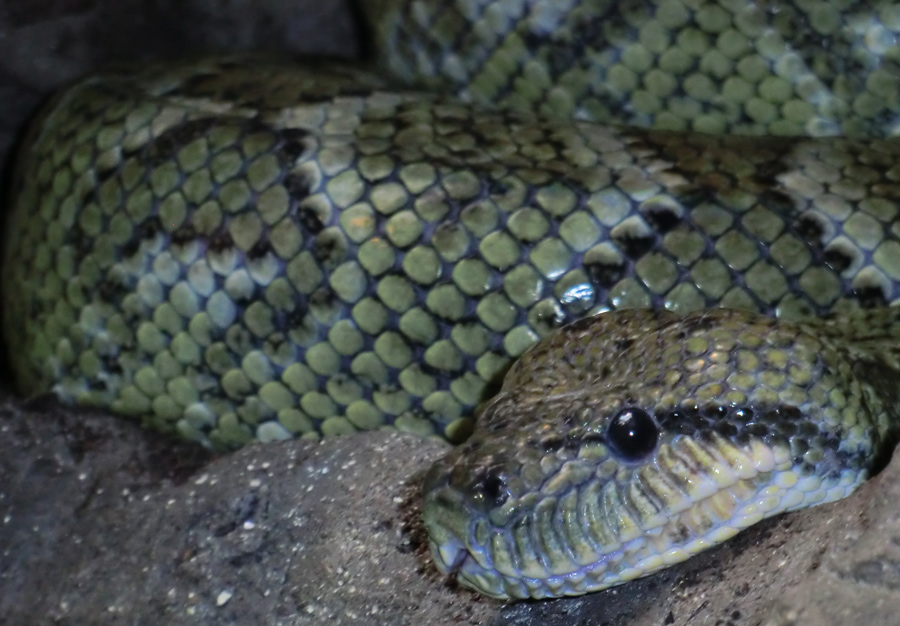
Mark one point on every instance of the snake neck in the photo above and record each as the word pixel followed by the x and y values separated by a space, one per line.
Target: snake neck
pixel 867 349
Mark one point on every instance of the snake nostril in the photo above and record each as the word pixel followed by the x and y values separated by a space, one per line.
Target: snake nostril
pixel 491 484
pixel 632 433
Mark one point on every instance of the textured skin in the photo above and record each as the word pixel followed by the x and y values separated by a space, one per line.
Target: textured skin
pixel 732 66
pixel 754 417
pixel 238 249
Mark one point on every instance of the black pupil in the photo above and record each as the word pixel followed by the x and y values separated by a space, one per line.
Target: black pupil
pixel 633 434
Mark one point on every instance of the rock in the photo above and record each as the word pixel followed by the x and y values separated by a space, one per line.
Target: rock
pixel 104 523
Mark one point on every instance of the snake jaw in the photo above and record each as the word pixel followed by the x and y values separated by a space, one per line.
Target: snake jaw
pixel 607 535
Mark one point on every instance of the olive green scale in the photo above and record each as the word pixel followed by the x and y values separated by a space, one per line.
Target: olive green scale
pixel 798 67
pixel 295 262
pixel 242 268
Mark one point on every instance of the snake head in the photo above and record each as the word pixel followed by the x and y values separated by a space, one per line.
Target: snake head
pixel 629 441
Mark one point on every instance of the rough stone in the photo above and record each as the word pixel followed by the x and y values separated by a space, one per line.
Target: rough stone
pixel 104 523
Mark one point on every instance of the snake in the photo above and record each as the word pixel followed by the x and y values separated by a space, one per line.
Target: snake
pixel 635 258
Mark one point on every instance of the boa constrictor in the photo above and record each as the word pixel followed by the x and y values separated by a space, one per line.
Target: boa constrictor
pixel 694 203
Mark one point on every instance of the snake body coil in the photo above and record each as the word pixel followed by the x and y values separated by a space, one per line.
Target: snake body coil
pixel 238 249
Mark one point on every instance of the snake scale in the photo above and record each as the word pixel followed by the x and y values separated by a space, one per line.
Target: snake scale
pixel 238 249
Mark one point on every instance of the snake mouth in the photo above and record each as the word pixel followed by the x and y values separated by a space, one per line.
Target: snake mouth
pixel 454 559
pixel 475 566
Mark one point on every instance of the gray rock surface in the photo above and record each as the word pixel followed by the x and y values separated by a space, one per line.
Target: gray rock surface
pixel 102 523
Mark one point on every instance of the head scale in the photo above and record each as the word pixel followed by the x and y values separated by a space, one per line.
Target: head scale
pixel 626 442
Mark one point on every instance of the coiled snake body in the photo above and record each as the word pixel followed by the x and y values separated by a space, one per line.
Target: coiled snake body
pixel 239 249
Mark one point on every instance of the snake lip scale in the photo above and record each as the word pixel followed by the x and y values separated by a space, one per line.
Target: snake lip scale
pixel 669 227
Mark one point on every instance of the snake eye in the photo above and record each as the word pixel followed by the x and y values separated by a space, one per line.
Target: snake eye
pixel 632 434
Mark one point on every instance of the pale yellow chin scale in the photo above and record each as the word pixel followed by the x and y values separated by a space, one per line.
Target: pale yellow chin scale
pixel 756 482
